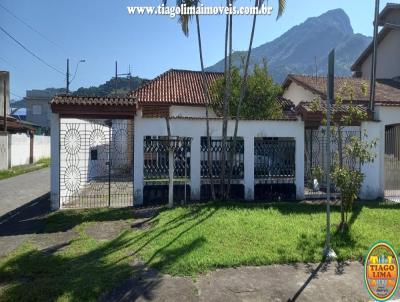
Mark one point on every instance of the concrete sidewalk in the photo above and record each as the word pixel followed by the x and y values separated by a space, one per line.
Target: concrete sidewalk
pixel 342 282
pixel 20 190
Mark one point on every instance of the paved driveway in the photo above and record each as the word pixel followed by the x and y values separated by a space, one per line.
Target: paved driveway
pixel 20 190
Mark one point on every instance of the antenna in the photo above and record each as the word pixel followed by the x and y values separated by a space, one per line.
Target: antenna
pixel 316 70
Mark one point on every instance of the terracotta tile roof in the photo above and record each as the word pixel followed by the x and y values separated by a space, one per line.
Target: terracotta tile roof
pixel 91 100
pixel 285 103
pixel 179 87
pixel 387 92
pixel 342 108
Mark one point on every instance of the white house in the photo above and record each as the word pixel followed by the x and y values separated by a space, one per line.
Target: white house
pixel 115 152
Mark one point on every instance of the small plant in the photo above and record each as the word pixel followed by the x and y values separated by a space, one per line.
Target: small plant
pixel 348 179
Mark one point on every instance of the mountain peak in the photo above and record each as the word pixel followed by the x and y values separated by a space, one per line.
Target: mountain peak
pixel 335 17
pixel 297 49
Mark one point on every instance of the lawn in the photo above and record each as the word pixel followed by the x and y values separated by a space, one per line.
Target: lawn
pixel 17 170
pixel 185 241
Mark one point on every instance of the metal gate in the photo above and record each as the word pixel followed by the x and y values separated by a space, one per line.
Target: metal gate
pixel 315 159
pixel 392 162
pixel 96 163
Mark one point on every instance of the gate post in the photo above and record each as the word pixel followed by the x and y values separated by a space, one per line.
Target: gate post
pixel 195 169
pixel 138 160
pixel 299 160
pixel 373 185
pixel 55 162
pixel 249 167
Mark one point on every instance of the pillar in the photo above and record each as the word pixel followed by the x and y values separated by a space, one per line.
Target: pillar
pixel 195 168
pixel 138 159
pixel 249 168
pixel 299 158
pixel 373 185
pixel 55 162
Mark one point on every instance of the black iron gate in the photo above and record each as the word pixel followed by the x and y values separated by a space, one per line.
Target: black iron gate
pixel 392 162
pixel 96 163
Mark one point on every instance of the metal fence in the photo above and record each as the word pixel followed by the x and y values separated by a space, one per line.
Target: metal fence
pixel 156 159
pixel 392 162
pixel 216 153
pixel 274 160
pixel 316 158
pixel 274 168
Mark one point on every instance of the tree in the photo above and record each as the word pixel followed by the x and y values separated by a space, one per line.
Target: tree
pixel 226 96
pixel 260 100
pixel 184 21
pixel 257 3
pixel 347 178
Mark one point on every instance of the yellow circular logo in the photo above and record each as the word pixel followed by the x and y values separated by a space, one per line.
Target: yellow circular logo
pixel 381 271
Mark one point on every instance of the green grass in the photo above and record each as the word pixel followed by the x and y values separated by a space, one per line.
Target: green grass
pixel 186 241
pixel 18 170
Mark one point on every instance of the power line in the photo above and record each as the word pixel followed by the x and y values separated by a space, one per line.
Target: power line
pixel 31 52
pixel 29 26
pixel 16 95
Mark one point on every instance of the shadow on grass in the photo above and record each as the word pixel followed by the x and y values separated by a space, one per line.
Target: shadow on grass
pixel 47 275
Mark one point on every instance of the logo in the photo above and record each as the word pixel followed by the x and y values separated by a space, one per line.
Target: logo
pixel 381 271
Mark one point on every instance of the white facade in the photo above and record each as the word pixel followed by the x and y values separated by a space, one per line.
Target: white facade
pixel 297 94
pixel 190 111
pixel 196 128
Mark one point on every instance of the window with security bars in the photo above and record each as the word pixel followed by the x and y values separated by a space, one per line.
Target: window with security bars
pixel 234 154
pixel 274 159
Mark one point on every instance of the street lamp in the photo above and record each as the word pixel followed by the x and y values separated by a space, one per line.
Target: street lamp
pixel 76 70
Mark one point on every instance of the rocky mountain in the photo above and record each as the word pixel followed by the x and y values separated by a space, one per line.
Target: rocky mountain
pixel 300 48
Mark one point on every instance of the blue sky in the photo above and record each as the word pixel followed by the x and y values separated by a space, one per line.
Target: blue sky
pixel 101 31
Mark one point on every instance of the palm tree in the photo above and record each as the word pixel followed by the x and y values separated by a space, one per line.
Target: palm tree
pixel 227 96
pixel 257 3
pixel 184 21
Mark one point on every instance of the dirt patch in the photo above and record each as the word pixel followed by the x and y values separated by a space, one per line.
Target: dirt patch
pixel 50 242
pixel 142 224
pixel 147 284
pixel 10 243
pixel 107 230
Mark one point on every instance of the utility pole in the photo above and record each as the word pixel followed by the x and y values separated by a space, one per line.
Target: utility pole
pixel 329 253
pixel 116 77
pixel 372 93
pixel 67 76
pixel 5 105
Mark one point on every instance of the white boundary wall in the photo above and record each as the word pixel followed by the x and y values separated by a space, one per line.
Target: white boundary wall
pixel 41 147
pixel 3 151
pixel 19 147
pixel 196 128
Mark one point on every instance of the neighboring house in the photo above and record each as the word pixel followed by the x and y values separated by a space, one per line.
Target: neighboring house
pixel 18 113
pixel 4 77
pixel 110 151
pixel 18 144
pixel 388 63
pixel 38 107
pixel 383 176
